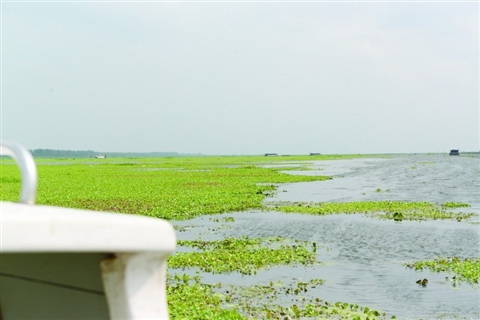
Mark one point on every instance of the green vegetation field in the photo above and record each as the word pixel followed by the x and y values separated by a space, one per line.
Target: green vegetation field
pixel 186 187
pixel 168 188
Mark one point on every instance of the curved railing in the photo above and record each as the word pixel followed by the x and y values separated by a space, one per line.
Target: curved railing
pixel 28 169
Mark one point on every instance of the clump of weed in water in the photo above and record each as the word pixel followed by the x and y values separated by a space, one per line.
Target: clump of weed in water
pixel 224 219
pixel 453 205
pixel 258 302
pixel 245 255
pixel 394 210
pixel 467 269
pixel 188 298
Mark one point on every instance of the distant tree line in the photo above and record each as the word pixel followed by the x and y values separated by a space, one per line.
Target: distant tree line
pixel 52 153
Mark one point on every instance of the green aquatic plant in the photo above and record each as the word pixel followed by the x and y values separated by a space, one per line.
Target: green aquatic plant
pixel 394 210
pixel 397 216
pixel 169 188
pixel 244 255
pixel 304 286
pixel 183 228
pixel 188 298
pixel 259 302
pixel 453 205
pixel 467 269
pixel 325 310
pixel 224 219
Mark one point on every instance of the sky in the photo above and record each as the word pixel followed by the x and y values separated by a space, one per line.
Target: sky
pixel 241 77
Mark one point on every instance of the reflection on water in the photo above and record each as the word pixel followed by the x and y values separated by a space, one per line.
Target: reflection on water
pixel 363 256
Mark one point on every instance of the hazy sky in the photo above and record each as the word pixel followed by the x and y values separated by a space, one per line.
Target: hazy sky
pixel 241 77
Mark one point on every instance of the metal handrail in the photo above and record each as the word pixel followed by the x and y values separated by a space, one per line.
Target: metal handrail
pixel 28 169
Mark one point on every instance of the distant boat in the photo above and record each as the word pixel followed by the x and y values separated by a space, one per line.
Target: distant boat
pixel 454 152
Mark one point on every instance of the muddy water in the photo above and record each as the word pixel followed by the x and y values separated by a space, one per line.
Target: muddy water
pixel 362 257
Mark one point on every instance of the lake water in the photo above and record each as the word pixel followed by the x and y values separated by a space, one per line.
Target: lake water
pixel 362 257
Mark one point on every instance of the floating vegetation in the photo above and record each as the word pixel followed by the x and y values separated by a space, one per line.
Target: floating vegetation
pixel 453 205
pixel 244 255
pixel 303 286
pixel 394 210
pixel 463 269
pixel 184 188
pixel 183 228
pixel 317 308
pixel 325 310
pixel 270 292
pixel 224 219
pixel 188 298
pixel 397 216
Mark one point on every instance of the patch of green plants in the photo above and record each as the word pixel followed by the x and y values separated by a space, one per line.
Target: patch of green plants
pixel 394 210
pixel 302 287
pixel 189 299
pixel 453 205
pixel 325 310
pixel 168 188
pixel 183 228
pixel 244 255
pixel 467 269
pixel 224 219
pixel 259 302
